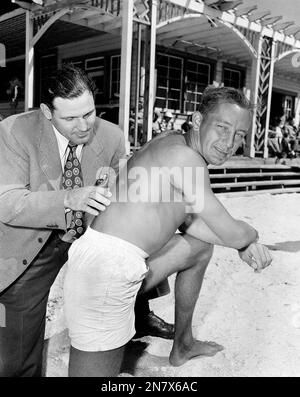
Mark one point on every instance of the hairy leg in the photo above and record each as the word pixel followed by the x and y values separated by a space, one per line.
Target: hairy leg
pixel 187 288
pixel 95 364
pixel 188 257
pixel 181 252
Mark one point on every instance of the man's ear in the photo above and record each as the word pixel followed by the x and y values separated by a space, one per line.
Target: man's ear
pixel 196 120
pixel 46 111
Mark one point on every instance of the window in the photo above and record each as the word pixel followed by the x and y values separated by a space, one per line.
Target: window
pixel 95 70
pixel 169 82
pixel 94 64
pixel 233 77
pixel 115 68
pixel 197 79
pixel 288 106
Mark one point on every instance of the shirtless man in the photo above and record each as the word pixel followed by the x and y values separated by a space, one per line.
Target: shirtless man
pixel 108 264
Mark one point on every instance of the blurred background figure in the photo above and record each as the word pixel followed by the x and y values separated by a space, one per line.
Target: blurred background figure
pixel 187 125
pixel 167 122
pixel 291 132
pixel 157 119
pixel 14 91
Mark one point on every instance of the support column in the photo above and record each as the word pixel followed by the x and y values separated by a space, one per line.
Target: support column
pixel 150 48
pixel 137 84
pixel 2 56
pixel 125 78
pixel 219 72
pixel 269 98
pixel 297 110
pixel 29 62
pixel 262 82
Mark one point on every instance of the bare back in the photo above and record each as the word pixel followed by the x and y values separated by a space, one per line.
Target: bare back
pixel 146 208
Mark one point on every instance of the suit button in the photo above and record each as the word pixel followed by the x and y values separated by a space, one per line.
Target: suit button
pixel 40 240
pixel 24 262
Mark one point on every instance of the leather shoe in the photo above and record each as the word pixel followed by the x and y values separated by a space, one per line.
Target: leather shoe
pixel 153 325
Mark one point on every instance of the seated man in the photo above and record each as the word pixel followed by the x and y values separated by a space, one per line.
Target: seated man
pixel 163 185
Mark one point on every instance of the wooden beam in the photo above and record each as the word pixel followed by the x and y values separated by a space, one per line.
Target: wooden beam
pixel 24 5
pixel 258 16
pixel 210 2
pixel 80 14
pixel 229 5
pixel 61 4
pixel 241 11
pixel 48 24
pixel 282 25
pixel 293 30
pixel 270 20
pixel 105 21
pixel 12 14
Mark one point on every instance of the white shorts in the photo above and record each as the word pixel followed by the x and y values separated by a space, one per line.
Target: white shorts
pixel 103 277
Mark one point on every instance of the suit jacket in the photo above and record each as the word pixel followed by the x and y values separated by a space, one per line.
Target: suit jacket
pixel 31 199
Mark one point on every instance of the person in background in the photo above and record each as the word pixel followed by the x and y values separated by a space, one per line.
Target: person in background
pixel 166 123
pixel 14 93
pixel 187 125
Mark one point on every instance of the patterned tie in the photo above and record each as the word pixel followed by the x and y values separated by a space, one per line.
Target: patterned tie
pixel 72 179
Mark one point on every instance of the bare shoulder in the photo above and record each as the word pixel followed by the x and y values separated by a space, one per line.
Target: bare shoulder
pixel 175 152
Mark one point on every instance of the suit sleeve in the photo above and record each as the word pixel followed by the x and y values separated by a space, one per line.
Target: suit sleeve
pixel 19 205
pixel 119 153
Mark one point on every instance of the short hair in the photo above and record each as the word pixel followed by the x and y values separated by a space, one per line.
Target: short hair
pixel 213 96
pixel 67 82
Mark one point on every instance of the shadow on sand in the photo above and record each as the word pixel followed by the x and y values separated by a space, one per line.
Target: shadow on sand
pixel 136 359
pixel 287 246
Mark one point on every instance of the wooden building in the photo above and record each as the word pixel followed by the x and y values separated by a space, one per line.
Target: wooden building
pixel 155 54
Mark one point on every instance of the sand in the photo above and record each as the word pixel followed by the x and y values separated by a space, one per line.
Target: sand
pixel 256 317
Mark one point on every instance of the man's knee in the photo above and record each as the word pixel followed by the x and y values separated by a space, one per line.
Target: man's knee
pixel 201 253
pixel 206 253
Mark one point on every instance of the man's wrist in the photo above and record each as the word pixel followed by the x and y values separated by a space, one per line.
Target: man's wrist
pixel 253 242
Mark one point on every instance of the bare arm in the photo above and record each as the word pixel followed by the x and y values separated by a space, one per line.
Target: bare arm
pixel 199 229
pixel 211 221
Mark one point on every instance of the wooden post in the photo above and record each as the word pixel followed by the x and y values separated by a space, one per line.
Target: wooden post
pixel 29 62
pixel 138 77
pixel 125 78
pixel 254 97
pixel 2 56
pixel 266 150
pixel 150 49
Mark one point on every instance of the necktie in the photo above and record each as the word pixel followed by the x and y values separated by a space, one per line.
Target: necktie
pixel 72 179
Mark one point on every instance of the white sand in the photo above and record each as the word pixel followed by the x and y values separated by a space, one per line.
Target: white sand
pixel 256 317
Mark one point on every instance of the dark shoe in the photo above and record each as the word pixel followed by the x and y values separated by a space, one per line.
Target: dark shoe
pixel 153 325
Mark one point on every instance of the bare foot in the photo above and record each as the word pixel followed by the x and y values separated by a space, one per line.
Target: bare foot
pixel 180 354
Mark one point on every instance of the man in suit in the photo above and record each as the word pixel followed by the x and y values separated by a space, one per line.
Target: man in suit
pixel 50 160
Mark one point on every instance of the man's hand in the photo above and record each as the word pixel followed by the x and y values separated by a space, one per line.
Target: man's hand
pixel 90 199
pixel 257 256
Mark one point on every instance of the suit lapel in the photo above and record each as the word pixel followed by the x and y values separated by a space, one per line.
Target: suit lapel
pixel 49 154
pixel 92 158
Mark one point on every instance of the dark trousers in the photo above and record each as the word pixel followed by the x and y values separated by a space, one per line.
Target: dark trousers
pixel 25 303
